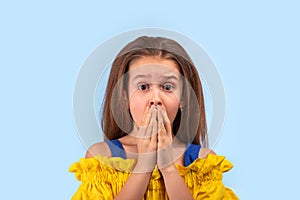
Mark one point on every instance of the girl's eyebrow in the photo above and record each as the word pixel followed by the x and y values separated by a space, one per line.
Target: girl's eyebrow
pixel 164 77
pixel 170 77
pixel 141 76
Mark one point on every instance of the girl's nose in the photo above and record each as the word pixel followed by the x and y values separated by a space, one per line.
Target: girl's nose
pixel 155 103
pixel 155 98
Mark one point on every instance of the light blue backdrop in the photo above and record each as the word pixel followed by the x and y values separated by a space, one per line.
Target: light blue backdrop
pixel 254 45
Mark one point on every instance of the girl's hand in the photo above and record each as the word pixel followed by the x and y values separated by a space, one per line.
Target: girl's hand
pixel 165 160
pixel 147 142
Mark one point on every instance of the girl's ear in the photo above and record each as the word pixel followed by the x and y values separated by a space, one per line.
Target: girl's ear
pixel 181 105
pixel 124 94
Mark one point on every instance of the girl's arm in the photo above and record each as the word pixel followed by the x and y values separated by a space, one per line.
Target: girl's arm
pixel 175 186
pixel 137 183
pixel 135 186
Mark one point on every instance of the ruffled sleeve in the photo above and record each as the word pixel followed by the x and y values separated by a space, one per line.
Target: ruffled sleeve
pixel 103 178
pixel 204 178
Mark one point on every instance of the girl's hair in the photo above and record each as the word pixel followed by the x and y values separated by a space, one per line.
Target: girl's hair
pixel 189 124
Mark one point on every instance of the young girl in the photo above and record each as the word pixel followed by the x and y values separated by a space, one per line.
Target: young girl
pixel 155 127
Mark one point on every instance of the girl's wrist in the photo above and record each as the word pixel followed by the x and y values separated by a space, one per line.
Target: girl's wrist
pixel 144 166
pixel 170 169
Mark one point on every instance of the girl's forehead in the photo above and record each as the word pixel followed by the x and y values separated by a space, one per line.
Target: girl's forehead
pixel 153 63
pixel 154 70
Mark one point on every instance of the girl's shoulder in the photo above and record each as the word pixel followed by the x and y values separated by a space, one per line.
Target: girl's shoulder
pixel 99 148
pixel 204 152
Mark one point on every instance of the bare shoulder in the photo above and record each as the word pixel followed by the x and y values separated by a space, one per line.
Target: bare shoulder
pixel 204 152
pixel 100 148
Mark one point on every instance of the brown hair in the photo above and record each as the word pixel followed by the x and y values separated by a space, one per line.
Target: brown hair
pixel 189 124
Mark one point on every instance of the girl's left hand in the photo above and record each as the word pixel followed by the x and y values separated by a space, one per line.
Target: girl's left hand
pixel 165 160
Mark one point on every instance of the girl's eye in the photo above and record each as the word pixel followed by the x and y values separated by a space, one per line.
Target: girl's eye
pixel 143 87
pixel 167 87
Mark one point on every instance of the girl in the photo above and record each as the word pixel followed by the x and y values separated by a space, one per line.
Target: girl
pixel 155 127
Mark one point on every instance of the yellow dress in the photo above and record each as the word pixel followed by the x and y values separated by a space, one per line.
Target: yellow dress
pixel 103 178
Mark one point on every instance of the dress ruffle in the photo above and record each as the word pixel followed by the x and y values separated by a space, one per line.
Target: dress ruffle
pixel 103 178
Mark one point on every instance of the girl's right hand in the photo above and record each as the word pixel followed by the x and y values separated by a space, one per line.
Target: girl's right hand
pixel 147 142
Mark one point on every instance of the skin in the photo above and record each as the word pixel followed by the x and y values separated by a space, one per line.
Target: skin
pixel 154 87
pixel 153 108
pixel 154 137
pixel 153 101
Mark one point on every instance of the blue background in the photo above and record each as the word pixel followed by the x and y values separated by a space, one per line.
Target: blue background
pixel 254 45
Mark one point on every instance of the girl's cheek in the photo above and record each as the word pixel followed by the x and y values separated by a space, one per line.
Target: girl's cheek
pixel 172 109
pixel 137 110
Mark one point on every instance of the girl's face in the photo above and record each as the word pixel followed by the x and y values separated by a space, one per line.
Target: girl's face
pixel 153 81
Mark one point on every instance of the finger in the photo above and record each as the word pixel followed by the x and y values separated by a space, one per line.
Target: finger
pixel 162 134
pixel 162 130
pixel 164 115
pixel 160 119
pixel 166 121
pixel 145 122
pixel 146 117
pixel 149 128
pixel 154 122
pixel 154 140
pixel 161 138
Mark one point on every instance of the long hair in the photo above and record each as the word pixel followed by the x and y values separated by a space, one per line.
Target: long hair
pixel 189 124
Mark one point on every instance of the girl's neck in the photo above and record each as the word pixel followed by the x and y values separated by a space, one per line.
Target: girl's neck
pixel 131 140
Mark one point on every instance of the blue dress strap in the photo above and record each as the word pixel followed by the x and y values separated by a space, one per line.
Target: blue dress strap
pixel 116 148
pixel 191 154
